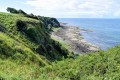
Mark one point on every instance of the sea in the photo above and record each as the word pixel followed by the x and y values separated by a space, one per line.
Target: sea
pixel 106 32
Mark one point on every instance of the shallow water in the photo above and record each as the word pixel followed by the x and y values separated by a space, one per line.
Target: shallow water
pixel 106 32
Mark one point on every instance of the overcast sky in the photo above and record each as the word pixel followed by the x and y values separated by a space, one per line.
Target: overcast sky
pixel 66 8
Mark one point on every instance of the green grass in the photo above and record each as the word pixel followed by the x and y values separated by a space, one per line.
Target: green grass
pixel 23 56
pixel 20 58
pixel 8 21
pixel 16 51
pixel 18 61
pixel 55 28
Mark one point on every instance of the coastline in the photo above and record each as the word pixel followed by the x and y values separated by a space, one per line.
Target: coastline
pixel 70 35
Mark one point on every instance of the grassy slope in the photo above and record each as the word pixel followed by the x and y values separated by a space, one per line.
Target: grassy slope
pixel 18 54
pixel 20 60
pixel 25 50
pixel 17 57
pixel 34 36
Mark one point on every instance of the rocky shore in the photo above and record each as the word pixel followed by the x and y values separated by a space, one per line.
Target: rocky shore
pixel 71 36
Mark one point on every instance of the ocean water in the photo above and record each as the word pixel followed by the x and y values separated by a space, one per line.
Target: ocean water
pixel 106 32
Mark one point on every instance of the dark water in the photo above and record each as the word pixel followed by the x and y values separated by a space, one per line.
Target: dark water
pixel 106 32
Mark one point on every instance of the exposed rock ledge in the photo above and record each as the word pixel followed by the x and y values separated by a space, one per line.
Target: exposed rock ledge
pixel 68 34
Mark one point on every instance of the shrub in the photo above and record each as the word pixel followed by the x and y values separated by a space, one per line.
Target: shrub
pixel 31 33
pixel 22 12
pixel 21 25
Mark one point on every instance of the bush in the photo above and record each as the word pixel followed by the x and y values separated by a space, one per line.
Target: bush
pixel 31 33
pixel 22 12
pixel 21 25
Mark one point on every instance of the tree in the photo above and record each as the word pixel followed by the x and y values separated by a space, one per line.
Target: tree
pixel 22 12
pixel 32 14
pixel 12 10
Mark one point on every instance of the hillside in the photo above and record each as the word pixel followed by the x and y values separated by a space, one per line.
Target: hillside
pixel 29 53
pixel 25 41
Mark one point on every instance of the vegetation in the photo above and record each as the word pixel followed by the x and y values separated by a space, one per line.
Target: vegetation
pixel 32 33
pixel 103 65
pixel 27 52
pixel 48 22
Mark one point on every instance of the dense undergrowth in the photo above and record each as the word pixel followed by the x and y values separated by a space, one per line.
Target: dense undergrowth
pixel 103 65
pixel 27 52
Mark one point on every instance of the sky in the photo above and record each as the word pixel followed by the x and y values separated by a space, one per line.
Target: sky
pixel 66 8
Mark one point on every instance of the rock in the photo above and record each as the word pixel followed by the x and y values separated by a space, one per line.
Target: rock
pixel 68 34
